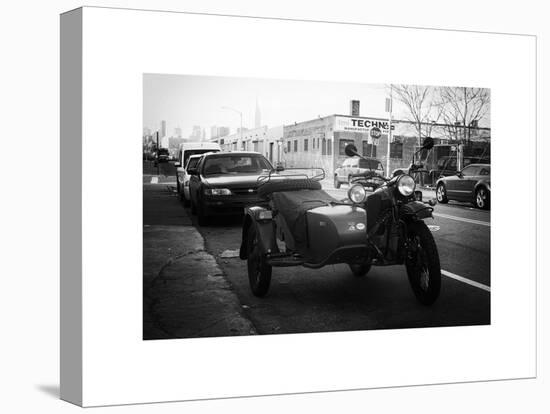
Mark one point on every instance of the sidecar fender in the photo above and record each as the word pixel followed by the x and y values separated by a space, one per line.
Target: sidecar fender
pixel 415 211
pixel 256 216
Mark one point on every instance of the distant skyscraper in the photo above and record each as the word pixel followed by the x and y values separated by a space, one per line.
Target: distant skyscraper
pixel 214 132
pixel 196 135
pixel 223 131
pixel 177 132
pixel 258 116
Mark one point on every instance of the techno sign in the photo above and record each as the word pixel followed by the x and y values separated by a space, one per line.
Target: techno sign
pixel 361 125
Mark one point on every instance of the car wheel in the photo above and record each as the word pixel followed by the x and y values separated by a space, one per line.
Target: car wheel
pixel 193 206
pixel 336 182
pixel 359 270
pixel 441 194
pixel 482 198
pixel 203 218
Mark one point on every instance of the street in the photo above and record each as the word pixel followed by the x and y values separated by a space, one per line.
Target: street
pixel 300 299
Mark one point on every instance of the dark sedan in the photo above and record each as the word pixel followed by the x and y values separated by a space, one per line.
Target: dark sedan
pixel 471 184
pixel 225 183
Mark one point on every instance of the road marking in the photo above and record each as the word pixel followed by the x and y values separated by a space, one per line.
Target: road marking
pixel 465 220
pixel 467 281
pixel 154 180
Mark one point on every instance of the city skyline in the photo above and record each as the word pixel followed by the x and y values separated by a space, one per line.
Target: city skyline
pixel 187 101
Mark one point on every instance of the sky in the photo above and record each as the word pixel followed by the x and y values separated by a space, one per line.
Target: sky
pixel 188 100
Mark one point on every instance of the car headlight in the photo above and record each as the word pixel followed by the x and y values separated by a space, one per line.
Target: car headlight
pixel 406 185
pixel 357 194
pixel 217 191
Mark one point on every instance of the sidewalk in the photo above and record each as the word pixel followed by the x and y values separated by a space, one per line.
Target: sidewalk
pixel 185 293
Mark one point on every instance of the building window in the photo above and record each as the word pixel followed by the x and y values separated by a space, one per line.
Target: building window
pixel 306 142
pixel 329 147
pixel 324 148
pixel 313 143
pixel 256 147
pixel 343 143
pixel 288 146
pixel 396 150
pixel 369 150
pixel 295 145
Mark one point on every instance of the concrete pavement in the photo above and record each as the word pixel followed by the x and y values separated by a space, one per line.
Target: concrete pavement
pixel 185 293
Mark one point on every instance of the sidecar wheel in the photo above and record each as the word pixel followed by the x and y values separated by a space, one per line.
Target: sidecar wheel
pixel 259 272
pixel 422 263
pixel 359 270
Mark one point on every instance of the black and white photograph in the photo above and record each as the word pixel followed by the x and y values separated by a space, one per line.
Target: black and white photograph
pixel 276 206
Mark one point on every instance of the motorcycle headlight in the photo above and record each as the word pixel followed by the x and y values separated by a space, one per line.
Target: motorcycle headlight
pixel 217 191
pixel 406 185
pixel 357 193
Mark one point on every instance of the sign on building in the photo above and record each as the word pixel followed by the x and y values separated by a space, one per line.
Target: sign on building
pixel 356 124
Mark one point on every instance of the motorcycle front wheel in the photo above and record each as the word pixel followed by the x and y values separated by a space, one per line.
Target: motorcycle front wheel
pixel 422 263
pixel 259 272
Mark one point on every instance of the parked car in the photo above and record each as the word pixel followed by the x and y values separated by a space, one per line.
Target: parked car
pixel 356 165
pixel 472 184
pixel 186 150
pixel 225 183
pixel 448 166
pixel 162 155
pixel 182 179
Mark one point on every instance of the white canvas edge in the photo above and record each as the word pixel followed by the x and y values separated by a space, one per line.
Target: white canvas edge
pixel 119 46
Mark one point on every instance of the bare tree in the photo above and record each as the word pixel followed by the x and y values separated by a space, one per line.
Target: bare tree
pixel 462 108
pixel 422 107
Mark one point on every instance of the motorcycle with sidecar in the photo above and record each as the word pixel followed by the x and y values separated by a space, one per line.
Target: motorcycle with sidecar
pixel 299 224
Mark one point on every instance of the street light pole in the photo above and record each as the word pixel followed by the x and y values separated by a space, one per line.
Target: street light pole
pixel 241 116
pixel 389 130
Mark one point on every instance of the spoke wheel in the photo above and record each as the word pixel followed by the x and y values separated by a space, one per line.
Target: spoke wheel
pixel 441 194
pixel 422 263
pixel 482 198
pixel 259 272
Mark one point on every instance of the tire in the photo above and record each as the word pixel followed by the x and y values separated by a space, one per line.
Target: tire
pixel 482 198
pixel 193 206
pixel 422 263
pixel 259 272
pixel 287 185
pixel 441 194
pixel 336 182
pixel 359 270
pixel 203 218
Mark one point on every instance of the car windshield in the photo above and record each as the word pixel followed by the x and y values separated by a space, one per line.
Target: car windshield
pixel 235 164
pixel 370 164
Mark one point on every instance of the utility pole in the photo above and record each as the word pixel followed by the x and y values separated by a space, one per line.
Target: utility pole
pixel 389 110
pixel 158 163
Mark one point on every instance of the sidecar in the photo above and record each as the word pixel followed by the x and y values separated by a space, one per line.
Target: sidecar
pixel 300 224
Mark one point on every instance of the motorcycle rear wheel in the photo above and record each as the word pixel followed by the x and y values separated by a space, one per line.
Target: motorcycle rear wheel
pixel 259 272
pixel 422 263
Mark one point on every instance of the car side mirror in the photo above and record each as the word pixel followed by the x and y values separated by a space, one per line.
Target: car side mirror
pixel 192 171
pixel 279 168
pixel 177 164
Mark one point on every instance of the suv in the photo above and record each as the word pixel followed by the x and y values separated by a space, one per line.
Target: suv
pixel 356 165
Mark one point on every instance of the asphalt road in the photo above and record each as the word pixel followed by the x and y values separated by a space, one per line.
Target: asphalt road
pixel 331 298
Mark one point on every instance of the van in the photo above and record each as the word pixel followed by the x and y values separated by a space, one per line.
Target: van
pixel 186 150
